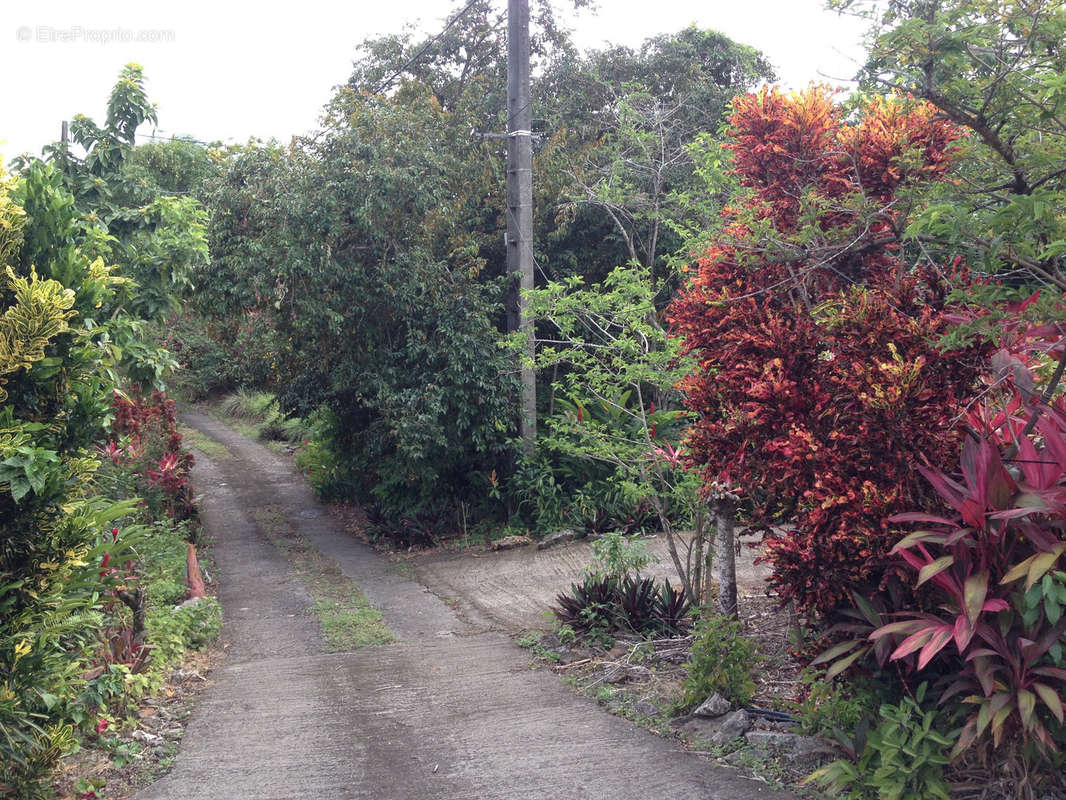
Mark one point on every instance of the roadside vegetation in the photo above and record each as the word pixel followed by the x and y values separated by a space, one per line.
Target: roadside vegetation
pixel 97 520
pixel 834 320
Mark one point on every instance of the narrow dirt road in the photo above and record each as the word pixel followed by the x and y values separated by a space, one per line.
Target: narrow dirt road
pixel 449 711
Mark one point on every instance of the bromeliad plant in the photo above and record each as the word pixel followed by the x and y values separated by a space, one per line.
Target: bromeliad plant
pixel 603 605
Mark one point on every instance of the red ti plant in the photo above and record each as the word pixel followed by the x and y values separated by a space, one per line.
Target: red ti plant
pixel 1006 535
pixel 145 437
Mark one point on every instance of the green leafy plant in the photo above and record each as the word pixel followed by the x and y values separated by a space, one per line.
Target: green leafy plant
pixel 722 660
pixel 536 494
pixel 617 370
pixel 53 381
pixel 902 758
pixel 618 557
pixel 834 708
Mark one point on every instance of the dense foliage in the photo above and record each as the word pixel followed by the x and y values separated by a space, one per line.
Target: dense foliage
pixel 360 273
pixel 78 554
pixel 55 401
pixel 997 635
pixel 820 382
pixel 373 307
pixel 625 128
pixel 616 409
pixel 144 441
pixel 995 69
pixel 156 236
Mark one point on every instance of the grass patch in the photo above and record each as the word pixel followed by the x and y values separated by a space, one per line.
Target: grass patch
pixel 347 618
pixel 348 625
pixel 205 444
pixel 256 415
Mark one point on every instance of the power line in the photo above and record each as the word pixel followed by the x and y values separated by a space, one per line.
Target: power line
pixel 385 84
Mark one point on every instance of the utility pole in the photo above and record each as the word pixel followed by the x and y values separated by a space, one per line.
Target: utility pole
pixel 520 198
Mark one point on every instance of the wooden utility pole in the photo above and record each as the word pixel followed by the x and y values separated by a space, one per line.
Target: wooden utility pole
pixel 520 197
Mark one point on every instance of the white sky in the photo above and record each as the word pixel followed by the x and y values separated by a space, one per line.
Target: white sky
pixel 229 71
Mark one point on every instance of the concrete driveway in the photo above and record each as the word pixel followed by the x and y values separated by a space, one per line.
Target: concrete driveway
pixel 449 711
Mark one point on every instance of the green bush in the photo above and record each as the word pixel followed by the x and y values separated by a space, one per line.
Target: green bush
pixel 55 399
pixel 246 404
pixel 903 757
pixel 721 661
pixel 556 489
pixel 382 318
pixel 330 475
pixel 173 630
pixel 835 706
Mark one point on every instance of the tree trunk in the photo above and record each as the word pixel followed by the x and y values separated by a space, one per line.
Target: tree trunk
pixel 135 601
pixel 696 567
pixel 726 557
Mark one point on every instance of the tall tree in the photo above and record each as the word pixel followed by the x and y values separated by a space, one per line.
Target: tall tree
pixel 995 68
pixel 629 119
pixel 360 250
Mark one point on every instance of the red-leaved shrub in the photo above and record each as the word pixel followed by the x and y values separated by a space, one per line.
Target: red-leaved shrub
pixel 145 437
pixel 820 382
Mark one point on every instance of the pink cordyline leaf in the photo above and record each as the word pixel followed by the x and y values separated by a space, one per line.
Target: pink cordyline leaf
pixel 1054 440
pixel 915 641
pixel 953 493
pixel 935 644
pixel 917 516
pixel 1039 472
pixel 963 632
pixel 906 626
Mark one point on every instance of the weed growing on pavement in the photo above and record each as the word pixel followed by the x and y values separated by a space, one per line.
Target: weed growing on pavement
pixel 347 618
pixel 206 445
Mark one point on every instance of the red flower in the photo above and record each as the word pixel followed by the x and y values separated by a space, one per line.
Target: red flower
pixel 103 564
pixel 101 725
